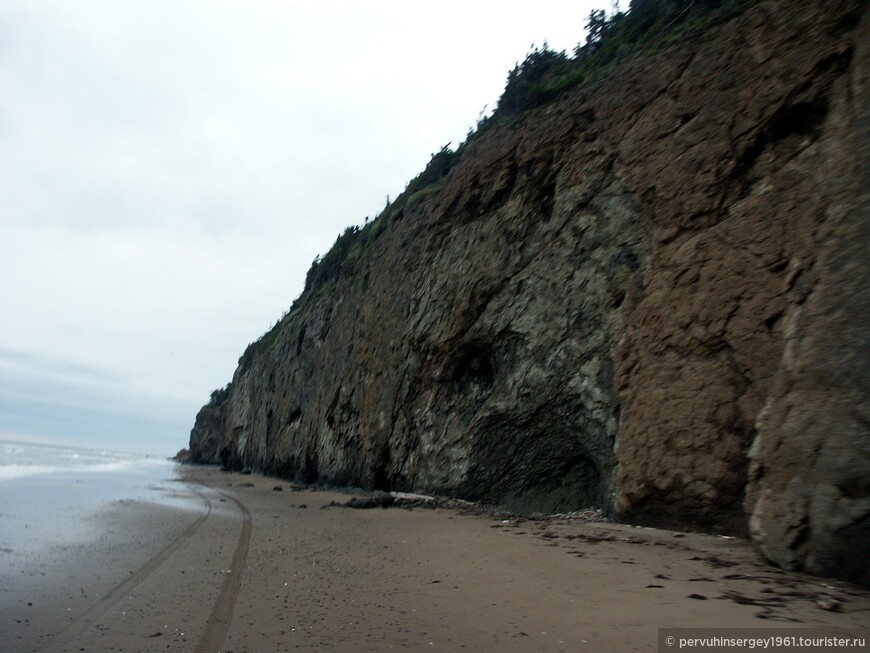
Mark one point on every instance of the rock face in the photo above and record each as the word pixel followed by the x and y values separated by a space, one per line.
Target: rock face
pixel 650 297
pixel 809 499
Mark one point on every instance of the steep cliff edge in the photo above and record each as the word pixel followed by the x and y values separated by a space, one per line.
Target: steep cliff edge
pixel 650 296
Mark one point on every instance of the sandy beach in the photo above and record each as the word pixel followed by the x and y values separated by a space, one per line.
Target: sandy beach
pixel 244 566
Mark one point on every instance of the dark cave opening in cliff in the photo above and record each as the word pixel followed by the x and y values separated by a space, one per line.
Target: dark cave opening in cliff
pixel 577 486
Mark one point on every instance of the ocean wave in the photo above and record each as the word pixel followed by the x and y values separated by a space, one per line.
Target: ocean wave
pixel 21 461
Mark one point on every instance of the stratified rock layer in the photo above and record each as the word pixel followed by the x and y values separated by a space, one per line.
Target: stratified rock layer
pixel 651 296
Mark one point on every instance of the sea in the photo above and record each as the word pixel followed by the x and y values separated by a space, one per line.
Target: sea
pixel 48 493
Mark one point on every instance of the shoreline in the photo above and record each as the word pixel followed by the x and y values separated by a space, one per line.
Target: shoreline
pixel 250 567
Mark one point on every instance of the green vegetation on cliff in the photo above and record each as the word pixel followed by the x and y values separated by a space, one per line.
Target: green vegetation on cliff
pixel 353 245
pixel 220 395
pixel 647 27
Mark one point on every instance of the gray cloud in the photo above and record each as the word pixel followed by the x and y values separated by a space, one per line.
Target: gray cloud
pixel 24 363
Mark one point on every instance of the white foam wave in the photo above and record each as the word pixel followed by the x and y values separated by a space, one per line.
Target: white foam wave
pixel 9 472
pixel 26 460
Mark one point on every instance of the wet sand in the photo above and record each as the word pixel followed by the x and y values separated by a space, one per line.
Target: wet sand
pixel 247 568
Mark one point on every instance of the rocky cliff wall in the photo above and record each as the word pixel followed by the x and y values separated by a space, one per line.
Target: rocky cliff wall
pixel 650 296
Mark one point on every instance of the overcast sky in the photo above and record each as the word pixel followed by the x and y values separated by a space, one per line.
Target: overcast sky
pixel 169 170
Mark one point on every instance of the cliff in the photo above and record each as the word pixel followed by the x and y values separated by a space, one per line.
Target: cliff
pixel 649 295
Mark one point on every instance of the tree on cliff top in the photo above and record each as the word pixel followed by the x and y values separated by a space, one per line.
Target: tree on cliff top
pixel 220 395
pixel 522 90
pixel 647 25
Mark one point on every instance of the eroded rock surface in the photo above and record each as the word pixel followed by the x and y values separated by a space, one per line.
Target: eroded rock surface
pixel 649 297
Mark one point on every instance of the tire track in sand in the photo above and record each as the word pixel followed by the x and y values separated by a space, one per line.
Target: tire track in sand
pixel 218 624
pixel 110 598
